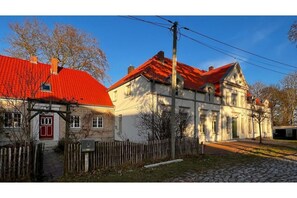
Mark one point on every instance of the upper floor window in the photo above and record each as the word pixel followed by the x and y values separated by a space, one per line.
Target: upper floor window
pixel 234 99
pixel 74 122
pixel 209 97
pixel 115 96
pixel 128 90
pixel 176 91
pixel 214 124
pixel 45 87
pixel 203 124
pixel 98 122
pixel 12 120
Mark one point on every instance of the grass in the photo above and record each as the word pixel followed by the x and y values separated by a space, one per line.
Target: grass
pixel 160 173
pixel 190 164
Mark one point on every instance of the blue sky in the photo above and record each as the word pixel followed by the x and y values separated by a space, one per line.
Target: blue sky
pixel 131 42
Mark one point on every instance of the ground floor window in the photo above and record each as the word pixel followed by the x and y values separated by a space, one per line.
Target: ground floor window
pixel 74 122
pixel 203 124
pixel 12 120
pixel 98 122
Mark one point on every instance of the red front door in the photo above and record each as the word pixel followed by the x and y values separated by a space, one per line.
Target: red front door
pixel 46 127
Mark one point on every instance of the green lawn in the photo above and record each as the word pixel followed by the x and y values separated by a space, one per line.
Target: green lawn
pixel 160 173
pixel 190 164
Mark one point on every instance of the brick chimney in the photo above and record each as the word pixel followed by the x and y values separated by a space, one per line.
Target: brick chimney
pixel 130 69
pixel 210 68
pixel 33 59
pixel 54 66
pixel 160 56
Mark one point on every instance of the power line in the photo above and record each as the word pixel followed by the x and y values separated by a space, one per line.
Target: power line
pixel 232 46
pixel 234 57
pixel 164 19
pixel 208 46
pixel 146 21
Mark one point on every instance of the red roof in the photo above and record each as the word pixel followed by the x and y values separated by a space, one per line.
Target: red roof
pixel 194 79
pixel 22 79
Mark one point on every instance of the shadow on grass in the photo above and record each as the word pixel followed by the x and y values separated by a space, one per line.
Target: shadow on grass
pixel 249 148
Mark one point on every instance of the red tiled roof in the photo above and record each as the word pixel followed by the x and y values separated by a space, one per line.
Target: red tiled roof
pixel 22 79
pixel 194 79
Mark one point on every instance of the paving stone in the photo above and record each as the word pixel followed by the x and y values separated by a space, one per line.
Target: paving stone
pixel 265 170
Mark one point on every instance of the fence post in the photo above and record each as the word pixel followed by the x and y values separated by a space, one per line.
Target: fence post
pixel 66 158
pixel 202 148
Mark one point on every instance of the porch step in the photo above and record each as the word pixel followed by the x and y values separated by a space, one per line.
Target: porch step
pixel 49 145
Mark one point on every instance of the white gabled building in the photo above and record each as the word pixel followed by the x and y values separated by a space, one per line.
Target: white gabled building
pixel 218 100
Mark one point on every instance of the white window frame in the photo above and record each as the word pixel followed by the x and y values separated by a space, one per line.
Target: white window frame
pixel 45 90
pixel 234 96
pixel 97 121
pixel 13 122
pixel 128 90
pixel 72 122
pixel 115 95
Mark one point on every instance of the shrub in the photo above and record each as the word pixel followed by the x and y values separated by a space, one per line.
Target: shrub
pixel 60 146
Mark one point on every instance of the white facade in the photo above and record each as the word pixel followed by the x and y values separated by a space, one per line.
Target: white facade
pixel 219 118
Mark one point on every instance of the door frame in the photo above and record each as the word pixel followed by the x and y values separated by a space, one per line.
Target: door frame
pixel 234 128
pixel 52 127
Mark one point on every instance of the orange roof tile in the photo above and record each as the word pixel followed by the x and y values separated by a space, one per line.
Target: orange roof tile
pixel 22 79
pixel 194 79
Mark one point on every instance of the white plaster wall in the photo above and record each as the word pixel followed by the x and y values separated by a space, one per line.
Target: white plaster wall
pixel 129 108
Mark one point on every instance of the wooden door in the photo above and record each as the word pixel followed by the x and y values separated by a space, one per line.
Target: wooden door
pixel 234 128
pixel 46 127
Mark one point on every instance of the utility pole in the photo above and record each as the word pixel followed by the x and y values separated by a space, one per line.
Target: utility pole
pixel 173 90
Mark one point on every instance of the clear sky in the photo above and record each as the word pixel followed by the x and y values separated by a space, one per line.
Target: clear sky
pixel 131 42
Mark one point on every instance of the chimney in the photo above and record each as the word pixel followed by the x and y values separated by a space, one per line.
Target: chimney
pixel 210 68
pixel 33 59
pixel 130 69
pixel 54 66
pixel 160 56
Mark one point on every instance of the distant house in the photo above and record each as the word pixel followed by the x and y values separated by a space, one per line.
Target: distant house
pixel 34 99
pixel 285 132
pixel 218 100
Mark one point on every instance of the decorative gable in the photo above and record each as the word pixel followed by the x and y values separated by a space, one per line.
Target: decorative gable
pixel 235 77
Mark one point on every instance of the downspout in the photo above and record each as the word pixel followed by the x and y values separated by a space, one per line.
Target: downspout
pixel 195 117
pixel 153 108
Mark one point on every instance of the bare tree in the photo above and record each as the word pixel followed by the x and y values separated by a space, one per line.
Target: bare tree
pixel 14 102
pixel 273 94
pixel 256 89
pixel 259 115
pixel 289 93
pixel 73 48
pixel 292 35
pixel 156 123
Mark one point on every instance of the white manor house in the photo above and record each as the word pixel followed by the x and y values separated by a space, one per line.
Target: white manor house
pixel 218 100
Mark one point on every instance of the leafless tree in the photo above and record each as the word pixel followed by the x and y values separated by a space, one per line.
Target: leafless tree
pixel 87 129
pixel 14 102
pixel 156 123
pixel 292 35
pixel 73 48
pixel 256 89
pixel 289 93
pixel 259 115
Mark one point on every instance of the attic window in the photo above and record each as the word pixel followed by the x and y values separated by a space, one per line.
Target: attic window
pixel 45 87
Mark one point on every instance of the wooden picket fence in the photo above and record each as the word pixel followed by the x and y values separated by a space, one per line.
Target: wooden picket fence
pixel 20 163
pixel 111 154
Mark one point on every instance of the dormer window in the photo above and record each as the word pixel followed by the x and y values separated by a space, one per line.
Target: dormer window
pixel 209 96
pixel 45 87
pixel 179 84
